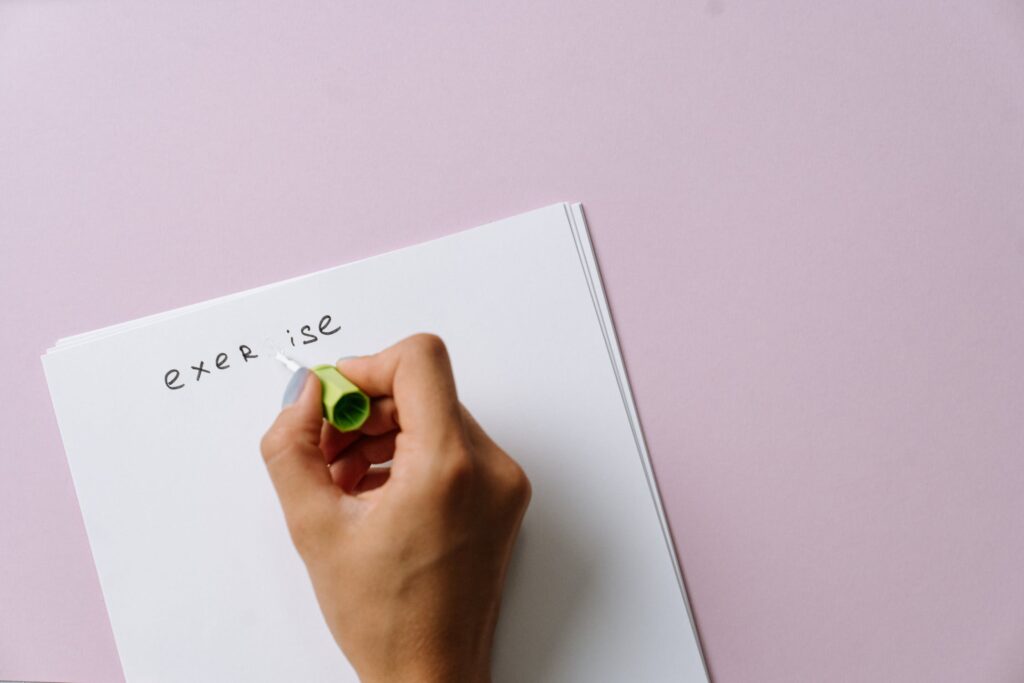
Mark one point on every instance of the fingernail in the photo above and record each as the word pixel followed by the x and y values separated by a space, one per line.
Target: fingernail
pixel 343 358
pixel 294 388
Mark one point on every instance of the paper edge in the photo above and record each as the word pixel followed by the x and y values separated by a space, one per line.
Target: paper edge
pixel 585 247
pixel 156 318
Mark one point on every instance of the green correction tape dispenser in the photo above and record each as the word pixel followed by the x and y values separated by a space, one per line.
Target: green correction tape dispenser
pixel 345 406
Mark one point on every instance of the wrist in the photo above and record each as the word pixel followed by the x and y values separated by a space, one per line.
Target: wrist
pixel 431 675
pixel 429 670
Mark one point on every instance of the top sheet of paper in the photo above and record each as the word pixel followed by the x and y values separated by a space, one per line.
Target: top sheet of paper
pixel 199 576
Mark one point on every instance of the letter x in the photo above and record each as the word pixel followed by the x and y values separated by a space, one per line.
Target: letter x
pixel 200 370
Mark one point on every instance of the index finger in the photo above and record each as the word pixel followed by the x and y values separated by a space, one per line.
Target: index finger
pixel 291 450
pixel 417 373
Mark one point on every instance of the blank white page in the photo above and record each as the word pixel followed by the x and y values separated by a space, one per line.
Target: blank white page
pixel 198 573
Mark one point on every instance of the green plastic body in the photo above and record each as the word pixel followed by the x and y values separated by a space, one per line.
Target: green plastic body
pixel 345 406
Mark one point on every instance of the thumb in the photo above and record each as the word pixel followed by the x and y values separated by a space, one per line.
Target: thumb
pixel 291 451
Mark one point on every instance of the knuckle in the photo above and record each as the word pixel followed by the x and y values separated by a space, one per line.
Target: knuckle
pixel 272 443
pixel 517 484
pixel 280 448
pixel 428 345
pixel 457 472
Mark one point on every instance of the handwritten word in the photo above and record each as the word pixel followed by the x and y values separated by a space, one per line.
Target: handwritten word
pixel 174 379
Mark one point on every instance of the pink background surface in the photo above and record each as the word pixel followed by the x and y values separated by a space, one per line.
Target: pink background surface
pixel 809 221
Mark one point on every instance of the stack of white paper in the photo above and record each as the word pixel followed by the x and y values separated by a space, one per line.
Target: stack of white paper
pixel 196 566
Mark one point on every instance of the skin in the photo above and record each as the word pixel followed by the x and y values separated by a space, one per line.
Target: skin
pixel 408 565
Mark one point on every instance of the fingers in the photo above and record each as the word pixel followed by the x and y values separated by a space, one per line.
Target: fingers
pixel 291 451
pixel 333 442
pixel 383 417
pixel 373 480
pixel 374 449
pixel 417 375
pixel 382 420
pixel 349 470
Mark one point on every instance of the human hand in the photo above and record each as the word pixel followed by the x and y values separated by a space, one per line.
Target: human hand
pixel 408 565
